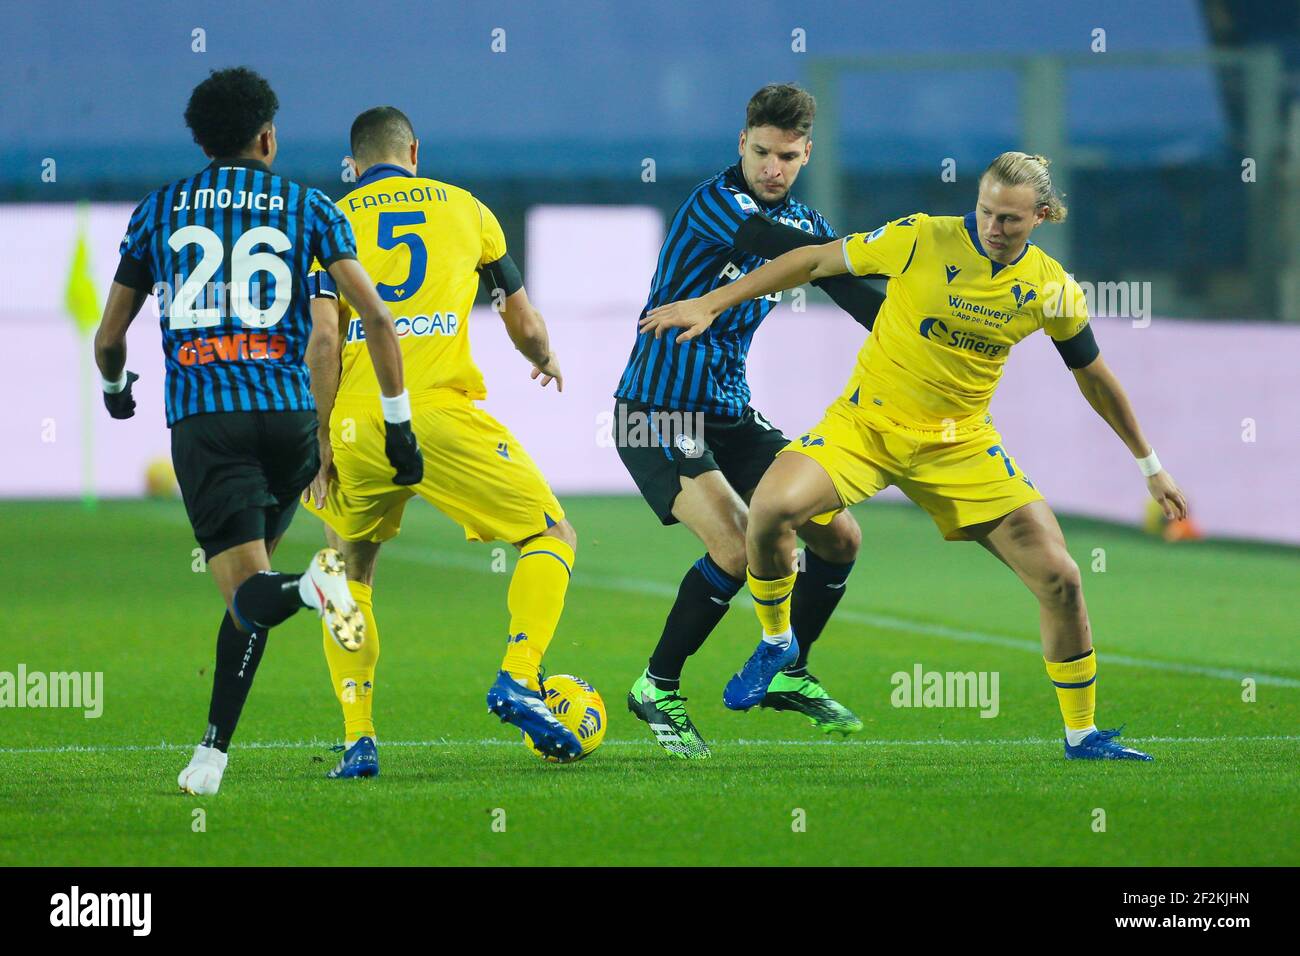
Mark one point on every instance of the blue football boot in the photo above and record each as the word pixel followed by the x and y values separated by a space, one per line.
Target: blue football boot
pixel 747 688
pixel 1101 745
pixel 360 759
pixel 526 709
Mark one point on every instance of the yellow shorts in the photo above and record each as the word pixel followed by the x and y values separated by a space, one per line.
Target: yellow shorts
pixel 961 477
pixel 475 472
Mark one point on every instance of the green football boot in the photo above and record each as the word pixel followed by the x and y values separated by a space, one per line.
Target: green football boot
pixel 665 712
pixel 806 695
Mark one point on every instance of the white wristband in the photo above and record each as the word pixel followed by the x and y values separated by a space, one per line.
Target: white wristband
pixel 1150 465
pixel 396 409
pixel 112 388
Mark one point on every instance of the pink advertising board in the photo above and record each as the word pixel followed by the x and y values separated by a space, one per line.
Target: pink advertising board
pixel 1220 401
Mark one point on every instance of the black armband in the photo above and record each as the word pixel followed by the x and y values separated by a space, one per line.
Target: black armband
pixel 854 296
pixel 1079 351
pixel 502 274
pixel 134 274
pixel 760 236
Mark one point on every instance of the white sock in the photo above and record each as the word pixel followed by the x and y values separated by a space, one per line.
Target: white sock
pixel 307 591
pixel 779 640
pixel 1076 737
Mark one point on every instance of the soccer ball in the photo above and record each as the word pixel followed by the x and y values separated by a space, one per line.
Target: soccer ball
pixel 160 479
pixel 579 707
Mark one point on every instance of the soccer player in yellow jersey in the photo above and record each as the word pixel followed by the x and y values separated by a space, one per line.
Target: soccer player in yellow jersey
pixel 962 291
pixel 427 243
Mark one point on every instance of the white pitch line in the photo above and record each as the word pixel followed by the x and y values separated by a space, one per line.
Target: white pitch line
pixel 411 553
pixel 404 551
pixel 647 744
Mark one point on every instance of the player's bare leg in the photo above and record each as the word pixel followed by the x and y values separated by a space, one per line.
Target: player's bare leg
pixel 561 531
pixel 360 557
pixel 352 674
pixel 717 515
pixel 257 599
pixel 829 553
pixel 535 600
pixel 792 491
pixel 1030 542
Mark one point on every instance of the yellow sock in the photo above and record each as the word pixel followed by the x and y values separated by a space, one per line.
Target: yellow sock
pixel 535 600
pixel 353 672
pixel 1076 689
pixel 772 602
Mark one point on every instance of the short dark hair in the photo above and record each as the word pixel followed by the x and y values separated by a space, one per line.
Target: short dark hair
pixel 228 109
pixel 784 106
pixel 381 131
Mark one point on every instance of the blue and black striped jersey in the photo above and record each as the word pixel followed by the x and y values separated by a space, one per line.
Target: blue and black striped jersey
pixel 228 252
pixel 707 374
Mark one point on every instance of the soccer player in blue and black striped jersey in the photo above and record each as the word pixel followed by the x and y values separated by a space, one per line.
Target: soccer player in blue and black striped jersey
pixel 228 252
pixel 692 442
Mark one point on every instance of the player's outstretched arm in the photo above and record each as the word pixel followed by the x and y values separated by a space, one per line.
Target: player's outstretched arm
pixel 1105 394
pixel 381 334
pixel 120 310
pixel 760 236
pixel 792 269
pixel 527 330
pixel 386 353
pixel 323 361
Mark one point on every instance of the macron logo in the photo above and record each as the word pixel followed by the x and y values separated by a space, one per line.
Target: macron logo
pixel 952 272
pixel 103 909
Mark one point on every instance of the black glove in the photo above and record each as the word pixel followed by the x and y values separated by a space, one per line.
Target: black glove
pixel 121 404
pixel 403 453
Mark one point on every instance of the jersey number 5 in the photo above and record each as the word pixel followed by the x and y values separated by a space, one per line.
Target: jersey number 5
pixel 388 221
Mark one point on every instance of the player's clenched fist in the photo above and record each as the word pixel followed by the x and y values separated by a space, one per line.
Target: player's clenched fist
pixel 120 402
pixel 403 451
pixel 400 443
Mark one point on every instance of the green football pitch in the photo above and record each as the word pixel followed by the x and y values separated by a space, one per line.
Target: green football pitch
pixel 1197 653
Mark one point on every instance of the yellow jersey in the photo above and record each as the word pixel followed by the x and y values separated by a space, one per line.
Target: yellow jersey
pixel 422 242
pixel 950 317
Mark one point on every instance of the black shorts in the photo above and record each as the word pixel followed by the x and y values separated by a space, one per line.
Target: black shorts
pixel 241 473
pixel 659 447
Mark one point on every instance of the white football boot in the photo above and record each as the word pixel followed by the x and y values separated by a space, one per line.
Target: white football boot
pixel 203 775
pixel 324 587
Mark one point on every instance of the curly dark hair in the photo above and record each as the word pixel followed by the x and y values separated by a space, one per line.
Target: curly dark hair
pixel 228 109
pixel 784 106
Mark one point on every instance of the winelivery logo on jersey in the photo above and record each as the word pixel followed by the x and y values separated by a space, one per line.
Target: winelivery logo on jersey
pixel 82 690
